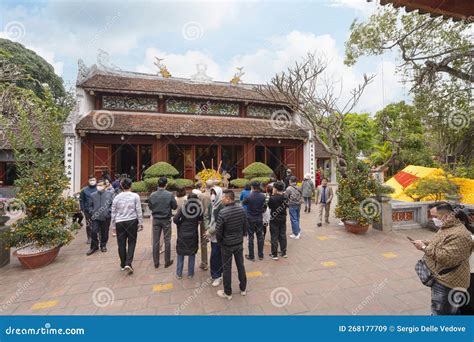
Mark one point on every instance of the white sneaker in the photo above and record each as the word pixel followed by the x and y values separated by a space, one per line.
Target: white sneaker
pixel 217 282
pixel 243 293
pixel 222 294
pixel 292 236
pixel 297 237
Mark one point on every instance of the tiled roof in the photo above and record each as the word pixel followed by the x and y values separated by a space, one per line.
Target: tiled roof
pixel 107 122
pixel 127 82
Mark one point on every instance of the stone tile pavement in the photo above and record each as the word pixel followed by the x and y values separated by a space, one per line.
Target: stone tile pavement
pixel 329 272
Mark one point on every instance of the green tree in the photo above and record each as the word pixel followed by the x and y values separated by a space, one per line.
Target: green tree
pixel 36 70
pixel 362 131
pixel 435 187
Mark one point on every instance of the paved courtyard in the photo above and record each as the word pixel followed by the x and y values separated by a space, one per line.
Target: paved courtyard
pixel 329 271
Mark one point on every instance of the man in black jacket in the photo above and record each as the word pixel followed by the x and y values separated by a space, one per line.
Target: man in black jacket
pixel 231 228
pixel 100 206
pixel 255 203
pixel 278 204
pixel 161 204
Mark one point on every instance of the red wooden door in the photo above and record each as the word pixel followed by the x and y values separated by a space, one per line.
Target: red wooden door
pixel 102 159
pixel 188 155
pixel 290 159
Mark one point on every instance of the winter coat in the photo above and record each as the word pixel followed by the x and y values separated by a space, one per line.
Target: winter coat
pixel 307 188
pixel 187 222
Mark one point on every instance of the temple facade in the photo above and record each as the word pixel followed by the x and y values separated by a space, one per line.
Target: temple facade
pixel 126 121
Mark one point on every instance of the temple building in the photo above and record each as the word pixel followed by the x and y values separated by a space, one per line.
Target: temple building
pixel 126 121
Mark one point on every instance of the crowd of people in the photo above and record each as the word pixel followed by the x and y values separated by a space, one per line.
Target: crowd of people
pixel 210 215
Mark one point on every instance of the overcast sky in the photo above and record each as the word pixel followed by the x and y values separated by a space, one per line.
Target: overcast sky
pixel 264 37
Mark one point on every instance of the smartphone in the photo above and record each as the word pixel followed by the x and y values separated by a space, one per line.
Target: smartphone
pixel 409 238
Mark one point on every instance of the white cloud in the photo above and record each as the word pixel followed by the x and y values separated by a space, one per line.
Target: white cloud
pixel 361 6
pixel 282 51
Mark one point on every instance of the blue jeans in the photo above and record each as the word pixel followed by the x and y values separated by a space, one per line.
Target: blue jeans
pixel 216 261
pixel 440 303
pixel 180 264
pixel 295 219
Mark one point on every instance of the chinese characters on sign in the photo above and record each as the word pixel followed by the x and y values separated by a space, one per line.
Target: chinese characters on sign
pixel 69 159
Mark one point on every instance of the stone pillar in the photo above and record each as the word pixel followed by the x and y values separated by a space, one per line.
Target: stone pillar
pixel 385 223
pixel 333 171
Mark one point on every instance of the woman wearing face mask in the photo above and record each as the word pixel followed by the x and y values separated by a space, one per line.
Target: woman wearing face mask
pixel 447 257
pixel 211 218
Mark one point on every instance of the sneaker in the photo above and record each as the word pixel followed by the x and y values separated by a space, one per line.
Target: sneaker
pixel 203 267
pixel 103 249
pixel 169 264
pixel 222 294
pixel 274 257
pixel 243 293
pixel 249 258
pixel 129 269
pixel 260 258
pixel 122 268
pixel 179 277
pixel 284 255
pixel 216 282
pixel 297 237
pixel 292 236
pixel 190 276
pixel 92 251
pixel 320 224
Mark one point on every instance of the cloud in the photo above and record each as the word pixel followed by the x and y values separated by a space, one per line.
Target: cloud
pixel 280 53
pixel 361 6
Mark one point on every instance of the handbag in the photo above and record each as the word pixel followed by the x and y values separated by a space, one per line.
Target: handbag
pixel 426 276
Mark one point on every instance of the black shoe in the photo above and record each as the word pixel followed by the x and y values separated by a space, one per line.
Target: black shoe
pixel 320 224
pixel 305 209
pixel 92 251
pixel 309 210
pixel 103 249
pixel 260 258
pixel 157 266
pixel 129 269
pixel 249 258
pixel 274 257
pixel 169 264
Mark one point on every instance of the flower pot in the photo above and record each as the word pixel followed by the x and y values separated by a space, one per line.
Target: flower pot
pixel 355 227
pixel 37 260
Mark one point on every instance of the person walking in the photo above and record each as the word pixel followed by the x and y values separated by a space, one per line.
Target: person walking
pixel 187 221
pixel 161 204
pixel 278 204
pixel 255 203
pixel 231 228
pixel 127 220
pixel 446 256
pixel 307 190
pixel 205 198
pixel 212 213
pixel 294 195
pixel 100 206
pixel 324 196
pixel 84 199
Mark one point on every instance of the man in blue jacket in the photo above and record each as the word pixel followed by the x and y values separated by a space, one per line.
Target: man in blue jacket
pixel 84 199
pixel 255 203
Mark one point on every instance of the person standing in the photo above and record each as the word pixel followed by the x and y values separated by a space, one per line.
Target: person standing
pixel 447 257
pixel 324 196
pixel 255 203
pixel 293 193
pixel 161 204
pixel 287 178
pixel 318 177
pixel 127 219
pixel 244 194
pixel 100 205
pixel 231 228
pixel 187 221
pixel 211 219
pixel 205 198
pixel 84 199
pixel 308 190
pixel 278 204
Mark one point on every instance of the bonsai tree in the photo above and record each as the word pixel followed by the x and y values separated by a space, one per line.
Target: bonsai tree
pixel 34 131
pixel 161 169
pixel 432 188
pixel 257 169
pixel 355 195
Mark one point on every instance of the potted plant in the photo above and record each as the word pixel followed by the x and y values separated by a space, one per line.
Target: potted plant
pixel 357 205
pixel 37 142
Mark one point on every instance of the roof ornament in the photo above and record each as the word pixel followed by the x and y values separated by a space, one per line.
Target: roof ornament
pixel 82 71
pixel 201 75
pixel 237 76
pixel 103 60
pixel 162 69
